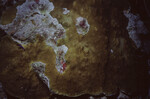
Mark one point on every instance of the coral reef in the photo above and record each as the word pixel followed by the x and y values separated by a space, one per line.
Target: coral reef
pixel 41 43
pixel 39 68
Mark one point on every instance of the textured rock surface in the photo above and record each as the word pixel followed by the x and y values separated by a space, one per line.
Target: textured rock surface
pixel 91 67
pixel 39 68
pixel 33 18
pixel 82 25
pixel 135 27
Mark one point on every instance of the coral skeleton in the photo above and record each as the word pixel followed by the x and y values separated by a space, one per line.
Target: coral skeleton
pixel 135 27
pixel 60 60
pixel 33 18
pixel 65 11
pixel 82 25
pixel 39 68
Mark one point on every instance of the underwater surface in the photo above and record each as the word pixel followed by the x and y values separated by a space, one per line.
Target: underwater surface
pixel 82 49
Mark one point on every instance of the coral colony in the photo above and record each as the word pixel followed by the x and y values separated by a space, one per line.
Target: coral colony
pixel 33 18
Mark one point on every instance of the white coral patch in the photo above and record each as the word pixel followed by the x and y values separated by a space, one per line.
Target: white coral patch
pixel 65 11
pixel 82 25
pixel 34 18
pixel 122 96
pixel 60 57
pixel 39 68
pixel 135 27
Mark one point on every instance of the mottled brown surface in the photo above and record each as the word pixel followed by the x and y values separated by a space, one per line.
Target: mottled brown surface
pixel 16 74
pixel 91 67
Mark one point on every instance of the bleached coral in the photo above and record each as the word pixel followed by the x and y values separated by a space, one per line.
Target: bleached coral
pixel 60 60
pixel 135 27
pixel 34 18
pixel 123 96
pixel 82 25
pixel 65 11
pixel 39 68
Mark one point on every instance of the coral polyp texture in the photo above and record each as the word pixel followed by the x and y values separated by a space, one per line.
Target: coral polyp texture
pixel 82 25
pixel 39 68
pixel 48 50
pixel 33 18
